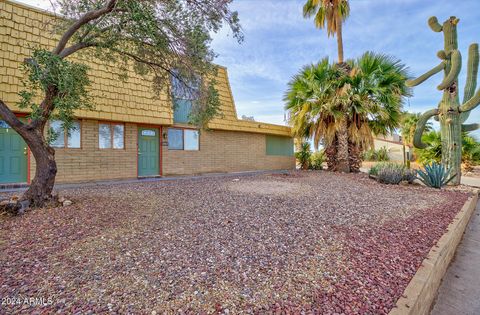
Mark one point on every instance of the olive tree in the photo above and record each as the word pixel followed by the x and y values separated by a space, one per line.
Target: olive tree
pixel 158 39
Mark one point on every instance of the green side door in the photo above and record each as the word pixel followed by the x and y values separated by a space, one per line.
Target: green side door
pixel 13 156
pixel 148 152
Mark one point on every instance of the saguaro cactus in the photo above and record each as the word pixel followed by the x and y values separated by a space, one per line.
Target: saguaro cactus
pixel 450 112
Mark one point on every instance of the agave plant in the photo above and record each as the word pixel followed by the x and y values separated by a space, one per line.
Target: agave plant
pixel 435 175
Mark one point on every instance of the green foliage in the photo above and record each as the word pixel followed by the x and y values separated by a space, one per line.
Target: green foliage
pixel 66 81
pixel 435 175
pixel 316 160
pixel 380 155
pixel 433 150
pixel 160 39
pixel 370 97
pixel 303 155
pixel 392 173
pixel 408 125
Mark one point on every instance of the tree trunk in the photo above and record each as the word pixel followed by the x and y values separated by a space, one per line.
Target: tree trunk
pixel 339 39
pixel 342 150
pixel 354 157
pixel 40 191
pixel 331 154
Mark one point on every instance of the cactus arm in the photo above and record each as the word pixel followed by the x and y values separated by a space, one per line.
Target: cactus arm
pixel 434 25
pixel 470 127
pixel 472 72
pixel 422 121
pixel 471 103
pixel 425 76
pixel 456 60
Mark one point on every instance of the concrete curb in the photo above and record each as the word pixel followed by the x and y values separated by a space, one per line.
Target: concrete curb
pixel 420 294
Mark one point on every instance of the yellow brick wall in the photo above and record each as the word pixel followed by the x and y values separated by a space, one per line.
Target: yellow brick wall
pixel 220 151
pixel 22 28
pixel 91 163
pixel 224 151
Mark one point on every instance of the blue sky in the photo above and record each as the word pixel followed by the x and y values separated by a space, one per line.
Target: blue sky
pixel 279 41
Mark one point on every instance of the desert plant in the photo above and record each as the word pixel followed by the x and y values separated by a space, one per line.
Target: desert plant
pixel 382 154
pixel 451 113
pixel 303 156
pixel 390 173
pixel 316 160
pixel 436 175
pixel 409 175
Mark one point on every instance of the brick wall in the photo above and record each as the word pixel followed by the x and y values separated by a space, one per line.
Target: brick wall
pixel 224 151
pixel 91 163
pixel 220 151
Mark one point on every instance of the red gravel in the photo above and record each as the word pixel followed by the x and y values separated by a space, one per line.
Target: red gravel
pixel 311 241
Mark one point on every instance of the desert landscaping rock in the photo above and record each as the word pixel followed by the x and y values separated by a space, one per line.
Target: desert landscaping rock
pixel 336 243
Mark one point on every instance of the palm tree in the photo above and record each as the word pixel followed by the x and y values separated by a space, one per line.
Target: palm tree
pixel 329 13
pixel 323 99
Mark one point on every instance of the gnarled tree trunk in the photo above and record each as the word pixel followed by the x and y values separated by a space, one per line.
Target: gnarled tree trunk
pixel 354 157
pixel 40 191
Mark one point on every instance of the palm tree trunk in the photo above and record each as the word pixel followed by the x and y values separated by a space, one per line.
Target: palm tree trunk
pixel 342 150
pixel 339 39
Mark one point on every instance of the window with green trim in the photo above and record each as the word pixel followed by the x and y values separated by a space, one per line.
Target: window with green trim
pixel 278 145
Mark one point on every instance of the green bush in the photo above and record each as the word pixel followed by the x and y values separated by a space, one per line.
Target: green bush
pixel 316 160
pixel 380 155
pixel 392 173
pixel 435 175
pixel 303 156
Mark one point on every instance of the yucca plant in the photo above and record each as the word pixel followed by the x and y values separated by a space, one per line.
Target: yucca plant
pixel 435 175
pixel 303 155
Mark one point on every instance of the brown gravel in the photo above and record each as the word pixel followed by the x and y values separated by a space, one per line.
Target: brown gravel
pixel 309 241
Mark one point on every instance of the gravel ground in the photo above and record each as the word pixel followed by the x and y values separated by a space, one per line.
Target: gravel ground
pixel 307 241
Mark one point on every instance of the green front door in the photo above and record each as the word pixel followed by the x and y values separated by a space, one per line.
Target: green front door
pixel 148 152
pixel 13 156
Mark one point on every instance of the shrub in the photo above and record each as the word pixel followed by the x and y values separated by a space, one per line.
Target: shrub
pixel 409 175
pixel 435 175
pixel 316 160
pixel 380 155
pixel 392 173
pixel 303 156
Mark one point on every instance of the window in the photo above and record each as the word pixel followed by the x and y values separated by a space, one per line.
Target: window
pixel 277 145
pixel 184 94
pixel 111 136
pixel 63 138
pixel 183 139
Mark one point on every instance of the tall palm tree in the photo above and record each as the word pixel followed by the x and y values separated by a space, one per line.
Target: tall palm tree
pixel 323 99
pixel 330 14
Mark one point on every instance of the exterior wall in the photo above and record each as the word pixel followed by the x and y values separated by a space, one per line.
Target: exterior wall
pixel 224 151
pixel 395 149
pixel 91 163
pixel 22 27
pixel 220 152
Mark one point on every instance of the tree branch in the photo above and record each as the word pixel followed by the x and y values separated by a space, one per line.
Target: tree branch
pixel 87 17
pixel 74 48
pixel 7 115
pixel 422 121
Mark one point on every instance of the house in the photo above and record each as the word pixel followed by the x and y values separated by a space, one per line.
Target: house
pixel 394 145
pixel 130 133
